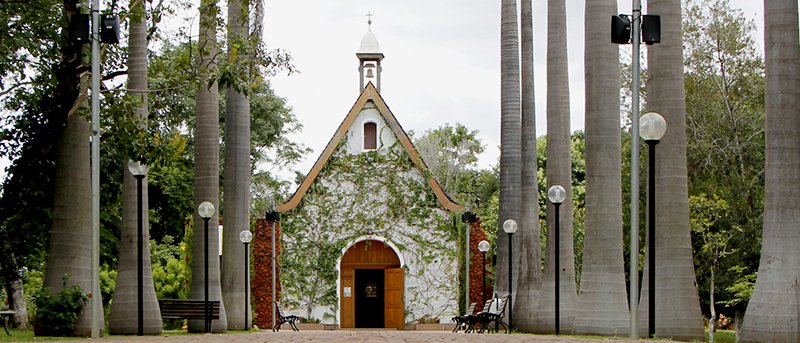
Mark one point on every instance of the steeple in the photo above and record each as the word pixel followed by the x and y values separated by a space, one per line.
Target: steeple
pixel 369 59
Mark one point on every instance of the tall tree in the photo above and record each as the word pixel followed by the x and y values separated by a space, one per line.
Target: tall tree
pixel 70 236
pixel 237 163
pixel 124 309
pixel 206 169
pixel 603 303
pixel 677 304
pixel 773 309
pixel 530 272
pixel 724 74
pixel 558 173
pixel 510 145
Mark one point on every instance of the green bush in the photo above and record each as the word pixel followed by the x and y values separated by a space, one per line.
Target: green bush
pixel 56 316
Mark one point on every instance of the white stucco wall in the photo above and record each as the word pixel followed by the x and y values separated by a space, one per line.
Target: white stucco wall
pixel 355 135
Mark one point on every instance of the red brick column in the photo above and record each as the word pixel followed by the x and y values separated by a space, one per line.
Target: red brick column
pixel 262 272
pixel 476 235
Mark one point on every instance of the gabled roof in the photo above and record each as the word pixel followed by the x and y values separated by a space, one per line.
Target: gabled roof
pixel 369 93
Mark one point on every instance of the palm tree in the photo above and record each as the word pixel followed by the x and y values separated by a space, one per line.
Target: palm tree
pixel 773 310
pixel 71 234
pixel 558 173
pixel 237 167
pixel 206 169
pixel 510 154
pixel 124 309
pixel 677 304
pixel 530 273
pixel 603 304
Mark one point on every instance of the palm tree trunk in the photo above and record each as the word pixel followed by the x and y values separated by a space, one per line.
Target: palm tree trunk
pixel 603 303
pixel 71 234
pixel 773 311
pixel 124 309
pixel 559 172
pixel 530 272
pixel 677 303
pixel 510 146
pixel 237 171
pixel 206 170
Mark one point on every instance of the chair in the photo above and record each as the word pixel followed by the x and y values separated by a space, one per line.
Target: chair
pixel 281 319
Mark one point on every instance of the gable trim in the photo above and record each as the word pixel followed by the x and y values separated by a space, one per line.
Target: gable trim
pixel 369 93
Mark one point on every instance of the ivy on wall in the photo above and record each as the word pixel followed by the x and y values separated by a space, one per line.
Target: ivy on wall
pixel 379 193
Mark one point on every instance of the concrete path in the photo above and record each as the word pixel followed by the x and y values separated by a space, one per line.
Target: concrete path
pixel 347 336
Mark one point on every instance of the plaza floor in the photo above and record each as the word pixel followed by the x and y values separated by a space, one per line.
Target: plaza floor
pixel 357 336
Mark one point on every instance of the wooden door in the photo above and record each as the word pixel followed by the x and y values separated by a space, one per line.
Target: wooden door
pixel 347 298
pixel 394 309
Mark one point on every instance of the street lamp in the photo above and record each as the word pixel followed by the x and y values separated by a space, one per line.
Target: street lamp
pixel 510 226
pixel 556 194
pixel 653 126
pixel 245 237
pixel 467 217
pixel 138 171
pixel 206 210
pixel 483 247
pixel 273 216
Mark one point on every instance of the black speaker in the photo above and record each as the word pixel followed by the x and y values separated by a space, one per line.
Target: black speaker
pixel 651 29
pixel 109 29
pixel 79 28
pixel 620 29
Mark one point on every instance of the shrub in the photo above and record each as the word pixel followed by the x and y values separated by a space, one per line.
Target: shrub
pixel 56 316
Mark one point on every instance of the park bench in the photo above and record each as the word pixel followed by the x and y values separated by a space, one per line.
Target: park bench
pixel 281 319
pixel 473 319
pixel 5 317
pixel 188 309
pixel 461 321
pixel 494 315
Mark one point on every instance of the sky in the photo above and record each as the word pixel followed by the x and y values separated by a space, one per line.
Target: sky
pixel 441 65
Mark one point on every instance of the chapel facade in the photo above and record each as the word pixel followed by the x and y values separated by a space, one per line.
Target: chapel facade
pixel 368 239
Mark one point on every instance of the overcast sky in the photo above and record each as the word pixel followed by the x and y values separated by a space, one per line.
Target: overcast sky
pixel 442 62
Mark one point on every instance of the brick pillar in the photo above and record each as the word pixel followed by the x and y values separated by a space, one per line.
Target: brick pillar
pixel 476 235
pixel 261 282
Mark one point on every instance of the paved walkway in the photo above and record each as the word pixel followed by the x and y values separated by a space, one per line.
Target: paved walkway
pixel 347 336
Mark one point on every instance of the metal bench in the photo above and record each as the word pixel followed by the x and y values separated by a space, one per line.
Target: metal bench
pixel 5 317
pixel 281 319
pixel 189 309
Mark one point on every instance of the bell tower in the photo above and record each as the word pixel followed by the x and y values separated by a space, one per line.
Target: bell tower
pixel 369 59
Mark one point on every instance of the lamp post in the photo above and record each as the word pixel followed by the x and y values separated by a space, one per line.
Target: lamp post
pixel 245 237
pixel 653 126
pixel 467 218
pixel 510 226
pixel 138 171
pixel 483 247
pixel 274 217
pixel 206 211
pixel 556 194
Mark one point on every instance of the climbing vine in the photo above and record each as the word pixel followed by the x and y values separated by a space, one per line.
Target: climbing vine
pixel 380 193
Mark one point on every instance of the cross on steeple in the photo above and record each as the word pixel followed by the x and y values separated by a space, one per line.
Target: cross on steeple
pixel 369 20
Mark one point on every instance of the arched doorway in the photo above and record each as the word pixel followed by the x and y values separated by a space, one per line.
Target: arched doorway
pixel 371 286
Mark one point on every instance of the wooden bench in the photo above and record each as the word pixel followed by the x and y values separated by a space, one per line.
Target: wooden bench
pixel 461 321
pixel 474 319
pixel 189 309
pixel 5 317
pixel 494 315
pixel 281 319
